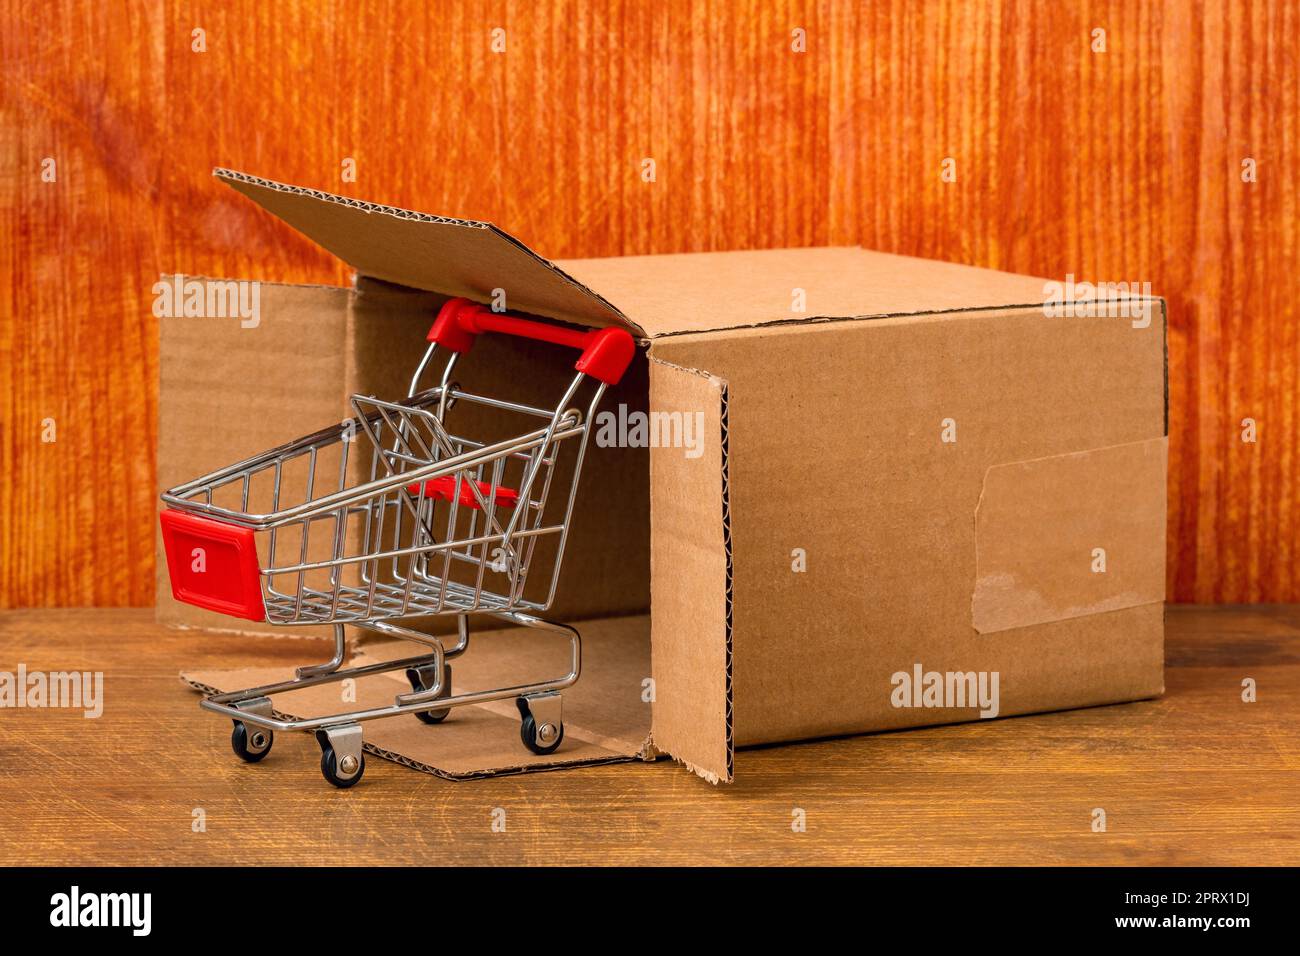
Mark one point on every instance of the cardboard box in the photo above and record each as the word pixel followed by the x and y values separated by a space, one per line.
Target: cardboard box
pixel 901 492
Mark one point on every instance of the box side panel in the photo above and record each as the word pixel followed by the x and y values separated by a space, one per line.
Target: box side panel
pixel 690 571
pixel 859 452
pixel 227 392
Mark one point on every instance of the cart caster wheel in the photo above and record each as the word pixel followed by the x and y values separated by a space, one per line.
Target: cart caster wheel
pixel 542 740
pixel 331 771
pixel 251 744
pixel 418 684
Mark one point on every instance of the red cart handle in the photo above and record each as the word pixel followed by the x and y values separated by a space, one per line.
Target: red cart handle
pixel 606 353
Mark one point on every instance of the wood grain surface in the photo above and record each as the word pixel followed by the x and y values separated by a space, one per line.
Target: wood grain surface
pixel 1196 777
pixel 1117 166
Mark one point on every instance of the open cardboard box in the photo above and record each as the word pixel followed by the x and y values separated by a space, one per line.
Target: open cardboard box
pixel 887 472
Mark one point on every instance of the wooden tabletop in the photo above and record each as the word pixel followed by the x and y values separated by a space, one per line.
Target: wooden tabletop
pixel 1197 777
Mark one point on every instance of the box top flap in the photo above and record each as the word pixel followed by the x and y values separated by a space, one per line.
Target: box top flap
pixel 709 291
pixel 651 296
pixel 435 253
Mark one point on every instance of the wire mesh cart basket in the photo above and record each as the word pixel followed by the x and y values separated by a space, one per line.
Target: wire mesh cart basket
pixel 398 513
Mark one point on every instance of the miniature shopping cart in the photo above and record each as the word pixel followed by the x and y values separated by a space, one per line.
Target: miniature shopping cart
pixel 418 519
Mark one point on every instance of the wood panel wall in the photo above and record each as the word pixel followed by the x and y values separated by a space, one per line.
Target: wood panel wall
pixel 1123 165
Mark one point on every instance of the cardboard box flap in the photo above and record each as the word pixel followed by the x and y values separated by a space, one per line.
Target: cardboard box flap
pixel 605 717
pixel 708 291
pixel 690 578
pixel 651 296
pixel 435 253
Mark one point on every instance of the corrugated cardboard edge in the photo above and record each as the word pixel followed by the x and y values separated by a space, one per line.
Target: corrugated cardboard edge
pixel 680 750
pixel 247 185
pixel 730 594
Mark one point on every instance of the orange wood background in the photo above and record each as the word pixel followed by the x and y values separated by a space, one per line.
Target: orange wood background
pixel 1119 166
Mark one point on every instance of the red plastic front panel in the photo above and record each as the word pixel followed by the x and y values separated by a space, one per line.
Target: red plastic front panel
pixel 213 565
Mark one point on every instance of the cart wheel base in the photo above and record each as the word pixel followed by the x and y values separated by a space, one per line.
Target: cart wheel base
pixel 542 728
pixel 329 768
pixel 420 680
pixel 342 761
pixel 250 744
